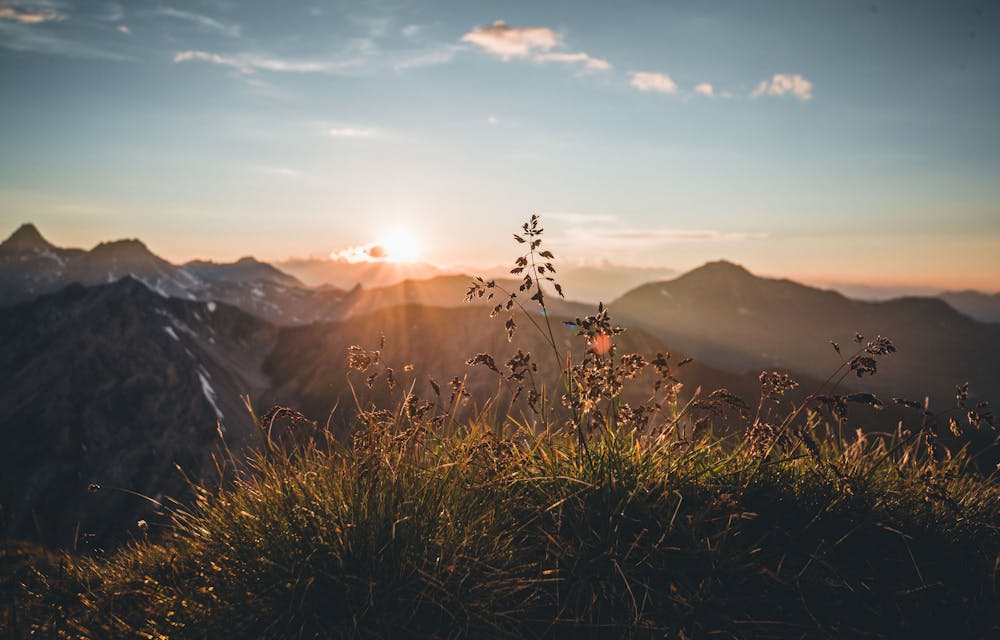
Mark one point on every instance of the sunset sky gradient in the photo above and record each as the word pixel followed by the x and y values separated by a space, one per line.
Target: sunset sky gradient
pixel 826 141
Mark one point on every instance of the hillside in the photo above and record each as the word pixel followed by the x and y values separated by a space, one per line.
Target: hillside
pixel 115 385
pixel 420 531
pixel 78 366
pixel 724 315
pixel 312 371
pixel 984 307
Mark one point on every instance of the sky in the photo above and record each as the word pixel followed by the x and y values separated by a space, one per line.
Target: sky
pixel 839 141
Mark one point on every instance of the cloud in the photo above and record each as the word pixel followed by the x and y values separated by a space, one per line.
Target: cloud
pixel 652 81
pixel 214 58
pixel 705 89
pixel 20 36
pixel 371 252
pixel 529 43
pixel 430 57
pixel 782 84
pixel 351 132
pixel 590 63
pixel 618 238
pixel 30 15
pixel 492 120
pixel 124 29
pixel 202 21
pixel 248 64
pixel 509 42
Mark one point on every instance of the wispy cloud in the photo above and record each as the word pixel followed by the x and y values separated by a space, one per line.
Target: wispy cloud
pixel 605 232
pixel 782 84
pixel 248 64
pixel 214 58
pixel 537 44
pixel 202 21
pixel 415 59
pixel 635 238
pixel 653 81
pixel 25 37
pixel 31 15
pixel 590 63
pixel 705 89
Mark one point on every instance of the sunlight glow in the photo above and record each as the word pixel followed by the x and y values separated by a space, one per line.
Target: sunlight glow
pixel 400 245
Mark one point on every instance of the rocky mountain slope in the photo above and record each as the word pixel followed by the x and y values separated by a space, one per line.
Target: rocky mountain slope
pixel 116 385
pixel 31 266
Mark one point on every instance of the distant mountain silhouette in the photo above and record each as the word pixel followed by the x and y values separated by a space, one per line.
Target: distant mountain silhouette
pixel 727 316
pixel 246 269
pixel 605 282
pixel 437 342
pixel 30 266
pixel 25 238
pixel 599 282
pixel 984 307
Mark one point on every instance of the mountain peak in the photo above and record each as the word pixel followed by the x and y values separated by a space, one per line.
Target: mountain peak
pixel 26 238
pixel 125 247
pixel 720 268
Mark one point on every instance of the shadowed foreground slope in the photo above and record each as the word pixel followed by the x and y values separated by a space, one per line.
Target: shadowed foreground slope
pixel 415 533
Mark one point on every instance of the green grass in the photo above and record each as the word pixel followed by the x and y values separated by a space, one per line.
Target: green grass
pixel 415 533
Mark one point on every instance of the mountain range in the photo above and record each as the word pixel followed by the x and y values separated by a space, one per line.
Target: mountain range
pixel 984 307
pixel 118 367
pixel 727 316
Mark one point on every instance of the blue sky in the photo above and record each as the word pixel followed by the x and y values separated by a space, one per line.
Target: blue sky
pixel 831 141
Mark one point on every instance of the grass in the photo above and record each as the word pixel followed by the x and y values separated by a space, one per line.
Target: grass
pixel 410 533
pixel 583 517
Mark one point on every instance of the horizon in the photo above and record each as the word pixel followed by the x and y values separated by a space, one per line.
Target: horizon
pixel 411 270
pixel 843 146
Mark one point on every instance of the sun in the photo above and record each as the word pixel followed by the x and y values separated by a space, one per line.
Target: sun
pixel 400 245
